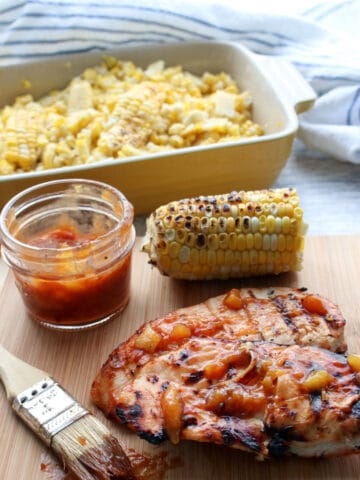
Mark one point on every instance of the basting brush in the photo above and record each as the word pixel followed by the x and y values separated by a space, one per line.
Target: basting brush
pixel 84 445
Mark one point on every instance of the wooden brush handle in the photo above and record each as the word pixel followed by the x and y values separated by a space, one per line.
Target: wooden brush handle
pixel 17 375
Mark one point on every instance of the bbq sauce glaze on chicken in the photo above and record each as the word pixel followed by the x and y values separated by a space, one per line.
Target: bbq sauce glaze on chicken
pixel 254 369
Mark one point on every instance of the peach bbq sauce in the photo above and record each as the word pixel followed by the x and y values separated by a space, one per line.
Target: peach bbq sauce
pixel 71 253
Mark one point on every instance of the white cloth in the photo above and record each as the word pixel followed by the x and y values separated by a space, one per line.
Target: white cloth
pixel 320 38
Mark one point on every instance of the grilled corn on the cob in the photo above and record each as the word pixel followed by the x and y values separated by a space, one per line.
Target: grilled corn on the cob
pixel 223 236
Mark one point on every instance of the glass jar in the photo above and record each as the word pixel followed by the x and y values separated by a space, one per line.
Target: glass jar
pixel 69 244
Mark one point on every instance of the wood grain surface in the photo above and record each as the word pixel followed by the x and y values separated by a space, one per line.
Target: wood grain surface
pixel 331 268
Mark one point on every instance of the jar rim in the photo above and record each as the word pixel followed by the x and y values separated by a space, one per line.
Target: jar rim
pixel 8 237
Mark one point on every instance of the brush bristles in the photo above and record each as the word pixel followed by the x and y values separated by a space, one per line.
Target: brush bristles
pixel 90 452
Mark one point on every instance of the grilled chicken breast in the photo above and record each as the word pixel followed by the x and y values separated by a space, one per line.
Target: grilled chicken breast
pixel 239 370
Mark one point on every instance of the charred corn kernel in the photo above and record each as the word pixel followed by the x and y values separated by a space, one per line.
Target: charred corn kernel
pixel 213 241
pixel 180 235
pixel 221 225
pixel 213 225
pixel 223 241
pixel 148 340
pixel 168 221
pixel 190 239
pixel 317 380
pixel 314 304
pixel 204 224
pixel 233 300
pixel 172 407
pixel 222 245
pixel 163 247
pixel 354 362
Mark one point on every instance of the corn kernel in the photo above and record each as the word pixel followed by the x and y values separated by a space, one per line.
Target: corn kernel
pixel 241 242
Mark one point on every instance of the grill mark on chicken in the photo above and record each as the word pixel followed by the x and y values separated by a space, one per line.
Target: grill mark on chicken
pixel 279 440
pixel 266 314
pixel 154 438
pixel 281 307
pixel 194 377
pixel 232 434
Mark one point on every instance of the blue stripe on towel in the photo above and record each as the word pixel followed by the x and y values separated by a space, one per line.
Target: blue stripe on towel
pixel 136 8
pixel 332 10
pixel 79 50
pixel 13 7
pixel 43 41
pixel 103 17
pixel 351 112
pixel 148 9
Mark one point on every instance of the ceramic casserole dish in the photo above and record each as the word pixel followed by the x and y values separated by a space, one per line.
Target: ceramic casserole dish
pixel 278 90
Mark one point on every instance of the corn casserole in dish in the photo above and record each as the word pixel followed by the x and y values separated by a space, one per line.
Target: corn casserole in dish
pixel 158 122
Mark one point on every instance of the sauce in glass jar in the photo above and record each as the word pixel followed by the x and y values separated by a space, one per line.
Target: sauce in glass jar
pixel 69 243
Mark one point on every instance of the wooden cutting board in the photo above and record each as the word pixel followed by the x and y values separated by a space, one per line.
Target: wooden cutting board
pixel 331 267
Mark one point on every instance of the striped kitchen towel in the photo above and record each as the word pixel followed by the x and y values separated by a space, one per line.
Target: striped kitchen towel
pixel 320 38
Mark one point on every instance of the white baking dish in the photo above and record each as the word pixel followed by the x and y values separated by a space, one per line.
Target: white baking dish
pixel 279 92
